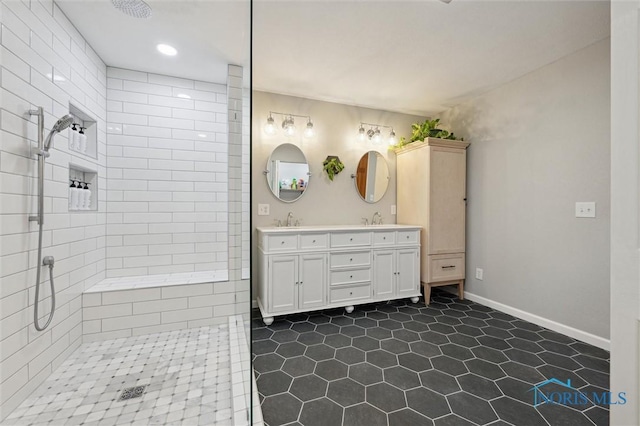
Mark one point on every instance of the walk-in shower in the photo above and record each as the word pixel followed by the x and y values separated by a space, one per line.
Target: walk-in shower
pixel 44 145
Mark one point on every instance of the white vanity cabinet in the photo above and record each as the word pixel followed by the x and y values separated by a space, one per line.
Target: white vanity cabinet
pixel 303 269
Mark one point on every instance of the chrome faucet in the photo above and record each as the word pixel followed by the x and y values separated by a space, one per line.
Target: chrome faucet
pixel 379 221
pixel 289 218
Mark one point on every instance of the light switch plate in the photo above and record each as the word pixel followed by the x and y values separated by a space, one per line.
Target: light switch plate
pixel 479 274
pixel 263 209
pixel 586 209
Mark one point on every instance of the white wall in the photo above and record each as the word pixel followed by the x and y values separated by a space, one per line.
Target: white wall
pixel 167 174
pixel 625 209
pixel 538 145
pixel 45 62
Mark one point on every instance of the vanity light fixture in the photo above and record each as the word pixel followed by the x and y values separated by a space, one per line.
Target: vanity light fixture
pixel 309 132
pixel 288 124
pixel 270 127
pixel 374 134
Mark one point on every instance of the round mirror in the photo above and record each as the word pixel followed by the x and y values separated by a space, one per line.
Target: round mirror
pixel 372 177
pixel 287 172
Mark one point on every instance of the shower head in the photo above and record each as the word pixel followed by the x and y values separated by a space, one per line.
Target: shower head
pixel 60 125
pixel 133 8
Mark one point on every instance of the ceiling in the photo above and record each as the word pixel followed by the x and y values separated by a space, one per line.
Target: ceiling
pixel 418 57
pixel 208 34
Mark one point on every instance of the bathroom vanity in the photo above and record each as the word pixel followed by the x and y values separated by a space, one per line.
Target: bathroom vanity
pixel 317 267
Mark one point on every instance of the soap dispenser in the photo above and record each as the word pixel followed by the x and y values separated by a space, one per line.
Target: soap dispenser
pixel 72 188
pixel 73 137
pixel 86 194
pixel 82 138
pixel 75 193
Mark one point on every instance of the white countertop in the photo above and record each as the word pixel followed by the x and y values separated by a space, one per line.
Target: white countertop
pixel 328 228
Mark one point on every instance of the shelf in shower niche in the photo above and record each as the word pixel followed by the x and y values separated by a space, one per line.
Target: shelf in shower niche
pixel 85 175
pixel 83 119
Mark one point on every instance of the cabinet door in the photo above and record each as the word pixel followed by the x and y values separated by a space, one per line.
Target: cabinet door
pixel 283 276
pixel 313 281
pixel 408 276
pixel 383 274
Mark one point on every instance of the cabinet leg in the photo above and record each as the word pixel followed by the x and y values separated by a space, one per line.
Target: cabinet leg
pixel 349 309
pixel 415 299
pixel 461 290
pixel 267 320
pixel 427 294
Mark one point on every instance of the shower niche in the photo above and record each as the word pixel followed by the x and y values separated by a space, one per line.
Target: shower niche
pixel 83 189
pixel 83 133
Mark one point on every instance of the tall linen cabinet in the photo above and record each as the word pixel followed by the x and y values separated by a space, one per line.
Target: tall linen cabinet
pixel 431 191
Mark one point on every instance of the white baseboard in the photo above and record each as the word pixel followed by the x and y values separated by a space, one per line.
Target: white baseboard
pixel 592 339
pixel 254 304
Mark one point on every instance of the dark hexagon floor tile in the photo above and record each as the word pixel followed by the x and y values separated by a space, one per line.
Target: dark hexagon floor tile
pixel 303 327
pixel 469 330
pixel 321 412
pixel 280 409
pixel 331 369
pixel 401 378
pixel 525 345
pixel 390 324
pixel 504 325
pixel 453 313
pixel 425 319
pixel 550 371
pixel 523 357
pixel 479 386
pixel 299 366
pixel 459 306
pixel 599 416
pixel 434 337
pixel 309 387
pixel 366 322
pixel 364 415
pixel 457 352
pixel 442 328
pixel 485 369
pixel 415 362
pixel 527 325
pixel 365 373
pixel 385 397
pixel 449 365
pixel 327 329
pixel 489 354
pixel 350 355
pixel 397 316
pixel 291 349
pixel 496 332
pixel 346 392
pixel 516 389
pixel 388 307
pixel 261 334
pixel 453 420
pixel 318 319
pixel 395 346
pixel 379 333
pixel 342 321
pixel 596 364
pixel 430 311
pixel 481 308
pixel 593 392
pixel 268 362
pixel 471 408
pixel 365 343
pixel 590 350
pixel 263 347
pixel 280 325
pixel 337 341
pixel 477 314
pixel 273 383
pixel 516 412
pixel 408 417
pixel 425 349
pixel 560 361
pixel 522 372
pixel 299 317
pixel 593 377
pixel 557 414
pixel 462 340
pixel 526 334
pixel 444 319
pixel 381 358
pixel 502 316
pixel 440 382
pixel 406 335
pixel 320 352
pixel 352 331
pixel 559 348
pixel 556 337
pixel 410 310
pixel 284 336
pixel 427 402
pixel 557 393
pixel 377 315
pixel 473 322
pixel 416 326
pixel 310 338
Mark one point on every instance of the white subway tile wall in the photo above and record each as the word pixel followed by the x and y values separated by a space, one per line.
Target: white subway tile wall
pixel 47 63
pixel 167 179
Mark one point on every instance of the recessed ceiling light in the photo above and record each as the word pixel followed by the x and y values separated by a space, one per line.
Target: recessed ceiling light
pixel 165 49
pixel 202 135
pixel 183 96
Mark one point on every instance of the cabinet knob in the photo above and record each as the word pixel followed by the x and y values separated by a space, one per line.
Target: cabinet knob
pixel 300 282
pixel 281 242
pixel 407 237
pixel 351 259
pixel 350 239
pixel 384 238
pixel 350 276
pixel 350 293
pixel 314 241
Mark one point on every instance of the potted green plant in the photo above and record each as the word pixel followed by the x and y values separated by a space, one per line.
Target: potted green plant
pixel 428 129
pixel 332 165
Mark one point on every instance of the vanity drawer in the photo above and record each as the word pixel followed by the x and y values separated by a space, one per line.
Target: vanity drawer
pixel 384 238
pixel 351 293
pixel 444 267
pixel 311 241
pixel 282 242
pixel 350 276
pixel 408 237
pixel 349 239
pixel 354 258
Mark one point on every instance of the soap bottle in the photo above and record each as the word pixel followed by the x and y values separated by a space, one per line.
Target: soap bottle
pixel 86 193
pixel 75 193
pixel 82 145
pixel 294 184
pixel 72 188
pixel 73 137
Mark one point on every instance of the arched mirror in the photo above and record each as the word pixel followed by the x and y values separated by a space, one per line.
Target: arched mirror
pixel 287 172
pixel 372 177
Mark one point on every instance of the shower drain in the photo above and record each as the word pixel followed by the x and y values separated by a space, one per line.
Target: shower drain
pixel 133 392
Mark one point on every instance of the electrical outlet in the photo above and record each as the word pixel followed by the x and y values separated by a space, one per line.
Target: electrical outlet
pixel 479 274
pixel 585 209
pixel 263 209
pixel 393 209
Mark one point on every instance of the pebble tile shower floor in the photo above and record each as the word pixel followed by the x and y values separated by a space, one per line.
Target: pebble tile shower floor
pixel 455 362
pixel 187 373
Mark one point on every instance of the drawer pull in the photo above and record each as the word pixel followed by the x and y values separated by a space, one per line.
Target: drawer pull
pixel 350 293
pixel 448 266
pixel 350 239
pixel 384 238
pixel 407 237
pixel 281 242
pixel 314 241
pixel 350 276
pixel 351 259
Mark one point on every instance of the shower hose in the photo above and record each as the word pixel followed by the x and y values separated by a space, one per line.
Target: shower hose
pixel 48 261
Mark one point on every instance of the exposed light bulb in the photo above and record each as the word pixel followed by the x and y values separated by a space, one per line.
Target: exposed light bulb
pixel 392 138
pixel 362 135
pixel 289 126
pixel 270 127
pixel 309 132
pixel 377 138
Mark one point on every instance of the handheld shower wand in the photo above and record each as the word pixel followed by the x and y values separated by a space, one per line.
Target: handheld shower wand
pixel 44 145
